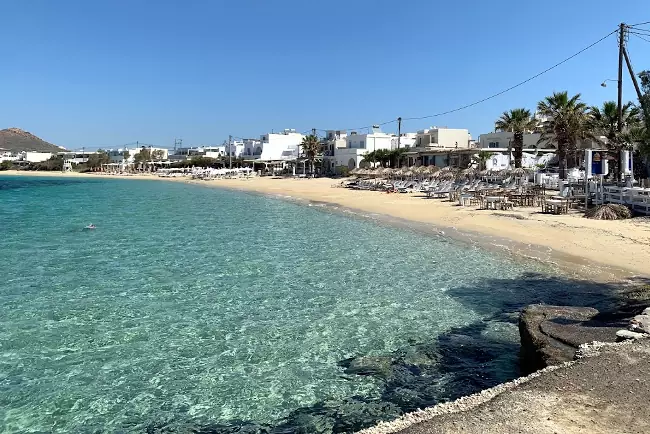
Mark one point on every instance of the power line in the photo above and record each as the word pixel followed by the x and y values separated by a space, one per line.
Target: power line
pixel 640 37
pixel 637 30
pixel 498 93
pixel 639 24
pixel 516 85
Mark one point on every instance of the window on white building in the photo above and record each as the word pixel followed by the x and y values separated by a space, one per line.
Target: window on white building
pixel 493 145
pixel 362 144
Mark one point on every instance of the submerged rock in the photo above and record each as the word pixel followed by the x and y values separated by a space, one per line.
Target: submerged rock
pixel 367 365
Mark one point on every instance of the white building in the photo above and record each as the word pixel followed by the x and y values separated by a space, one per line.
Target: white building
pixel 214 151
pixel 275 146
pixel 406 140
pixel 443 138
pixel 503 140
pixel 358 145
pixel 237 148
pixel 36 157
pixel 250 146
pixel 117 155
pixel 334 140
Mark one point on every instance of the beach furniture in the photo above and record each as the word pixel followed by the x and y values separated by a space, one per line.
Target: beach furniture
pixel 556 205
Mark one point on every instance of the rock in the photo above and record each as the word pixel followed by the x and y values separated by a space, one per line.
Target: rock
pixel 640 323
pixel 376 366
pixel 622 335
pixel 646 311
pixel 550 335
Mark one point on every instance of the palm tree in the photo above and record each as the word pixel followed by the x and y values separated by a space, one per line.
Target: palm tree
pixel 517 121
pixel 482 158
pixel 310 148
pixel 567 123
pixel 605 122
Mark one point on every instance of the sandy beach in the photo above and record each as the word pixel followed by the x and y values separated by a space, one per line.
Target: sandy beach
pixel 620 248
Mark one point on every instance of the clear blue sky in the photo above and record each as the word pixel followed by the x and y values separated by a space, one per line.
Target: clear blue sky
pixel 104 73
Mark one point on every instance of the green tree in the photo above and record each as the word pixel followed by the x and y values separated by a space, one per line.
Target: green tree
pixel 482 158
pixel 517 121
pixel 6 165
pixel 96 160
pixel 642 135
pixel 604 121
pixel 158 155
pixel 567 123
pixel 311 147
pixel 396 157
pixel 142 156
pixel 383 156
pixel 370 157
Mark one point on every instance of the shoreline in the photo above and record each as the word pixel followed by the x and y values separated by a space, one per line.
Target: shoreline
pixel 599 250
pixel 440 218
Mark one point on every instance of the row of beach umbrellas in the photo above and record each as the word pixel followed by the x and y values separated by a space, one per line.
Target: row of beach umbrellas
pixel 445 173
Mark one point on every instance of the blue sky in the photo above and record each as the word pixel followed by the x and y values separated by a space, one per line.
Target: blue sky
pixel 105 73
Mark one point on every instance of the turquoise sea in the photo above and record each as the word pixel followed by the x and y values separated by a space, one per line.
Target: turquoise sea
pixel 195 308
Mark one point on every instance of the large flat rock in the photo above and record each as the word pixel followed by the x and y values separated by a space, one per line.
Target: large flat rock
pixel 550 335
pixel 606 392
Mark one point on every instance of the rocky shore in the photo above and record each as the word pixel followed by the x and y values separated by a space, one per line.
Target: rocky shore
pixel 572 353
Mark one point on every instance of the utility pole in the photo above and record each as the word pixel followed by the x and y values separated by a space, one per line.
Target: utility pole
pixel 639 94
pixel 399 139
pixel 230 151
pixel 399 132
pixel 621 50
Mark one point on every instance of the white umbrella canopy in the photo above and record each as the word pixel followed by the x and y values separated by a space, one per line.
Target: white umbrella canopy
pixel 387 171
pixel 354 171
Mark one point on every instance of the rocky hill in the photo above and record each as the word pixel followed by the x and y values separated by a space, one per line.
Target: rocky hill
pixel 15 140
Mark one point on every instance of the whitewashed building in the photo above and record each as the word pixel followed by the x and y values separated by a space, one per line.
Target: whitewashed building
pixel 36 157
pixel 502 140
pixel 358 145
pixel 443 138
pixel 334 140
pixel 236 148
pixel 275 146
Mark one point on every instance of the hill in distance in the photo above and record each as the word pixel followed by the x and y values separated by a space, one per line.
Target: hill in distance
pixel 16 140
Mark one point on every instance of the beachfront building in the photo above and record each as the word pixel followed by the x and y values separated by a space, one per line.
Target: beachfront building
pixel 406 140
pixel 35 157
pixel 250 146
pixel 502 141
pixel 443 138
pixel 357 145
pixel 333 141
pixel 214 151
pixel 442 147
pixel 275 146
pixel 237 148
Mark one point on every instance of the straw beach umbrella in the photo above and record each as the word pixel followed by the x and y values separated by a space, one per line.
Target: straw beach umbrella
pixel 470 172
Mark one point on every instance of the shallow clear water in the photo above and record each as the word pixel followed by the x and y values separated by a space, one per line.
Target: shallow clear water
pixel 207 306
